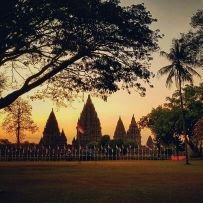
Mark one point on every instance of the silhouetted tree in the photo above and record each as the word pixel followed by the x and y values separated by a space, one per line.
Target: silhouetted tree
pixel 18 119
pixel 166 121
pixel 166 125
pixel 105 140
pixel 193 39
pixel 198 135
pixel 93 144
pixel 181 70
pixel 74 45
pixel 130 142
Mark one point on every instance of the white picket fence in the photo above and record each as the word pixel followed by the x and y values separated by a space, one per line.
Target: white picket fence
pixel 85 154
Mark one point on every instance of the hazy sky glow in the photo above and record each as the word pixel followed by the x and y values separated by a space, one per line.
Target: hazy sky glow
pixel 173 18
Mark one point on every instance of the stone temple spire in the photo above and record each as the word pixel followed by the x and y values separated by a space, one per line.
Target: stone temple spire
pixel 120 132
pixel 51 135
pixel 88 126
pixel 63 137
pixel 51 127
pixel 150 142
pixel 133 132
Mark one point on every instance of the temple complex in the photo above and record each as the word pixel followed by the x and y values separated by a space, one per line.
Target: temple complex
pixel 88 129
pixel 52 137
pixel 133 132
pixel 88 126
pixel 120 132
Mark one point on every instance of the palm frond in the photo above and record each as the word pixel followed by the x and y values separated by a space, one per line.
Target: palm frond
pixel 166 55
pixel 186 76
pixel 165 70
pixel 169 80
pixel 180 68
pixel 193 72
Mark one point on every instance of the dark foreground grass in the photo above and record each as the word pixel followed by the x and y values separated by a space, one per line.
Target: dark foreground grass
pixel 117 181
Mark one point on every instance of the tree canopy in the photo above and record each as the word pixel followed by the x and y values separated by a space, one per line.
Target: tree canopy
pixel 166 121
pixel 193 40
pixel 198 135
pixel 70 46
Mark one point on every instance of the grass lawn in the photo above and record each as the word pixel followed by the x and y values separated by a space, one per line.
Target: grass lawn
pixel 102 181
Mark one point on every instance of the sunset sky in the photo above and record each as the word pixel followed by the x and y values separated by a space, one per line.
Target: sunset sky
pixel 173 18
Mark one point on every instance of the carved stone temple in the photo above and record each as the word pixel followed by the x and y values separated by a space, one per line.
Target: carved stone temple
pixel 132 134
pixel 88 126
pixel 52 137
pixel 120 132
pixel 150 142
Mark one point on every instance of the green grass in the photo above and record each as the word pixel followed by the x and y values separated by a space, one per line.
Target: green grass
pixel 116 181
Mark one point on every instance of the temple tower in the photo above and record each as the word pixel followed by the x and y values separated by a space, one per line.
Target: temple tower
pixel 133 132
pixel 150 142
pixel 63 139
pixel 51 135
pixel 120 132
pixel 88 126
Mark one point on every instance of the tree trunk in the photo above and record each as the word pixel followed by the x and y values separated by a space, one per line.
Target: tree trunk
pixel 18 137
pixel 183 120
pixel 18 128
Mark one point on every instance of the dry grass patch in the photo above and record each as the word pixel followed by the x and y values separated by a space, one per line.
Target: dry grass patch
pixel 102 181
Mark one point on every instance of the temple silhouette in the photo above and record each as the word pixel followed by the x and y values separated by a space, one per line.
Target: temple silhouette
pixel 150 142
pixel 133 133
pixel 88 129
pixel 52 137
pixel 120 132
pixel 88 126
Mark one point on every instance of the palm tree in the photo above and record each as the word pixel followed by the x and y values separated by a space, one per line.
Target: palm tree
pixel 181 70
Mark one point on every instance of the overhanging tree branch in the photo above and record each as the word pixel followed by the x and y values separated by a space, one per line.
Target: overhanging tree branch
pixel 7 100
pixel 47 32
